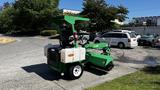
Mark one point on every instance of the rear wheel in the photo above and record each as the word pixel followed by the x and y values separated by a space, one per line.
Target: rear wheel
pixel 121 45
pixel 75 71
pixel 83 41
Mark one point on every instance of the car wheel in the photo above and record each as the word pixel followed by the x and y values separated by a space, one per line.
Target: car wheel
pixel 139 44
pixel 97 41
pixel 121 45
pixel 75 71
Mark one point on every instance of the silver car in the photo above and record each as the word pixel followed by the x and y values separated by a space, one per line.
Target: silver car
pixel 156 41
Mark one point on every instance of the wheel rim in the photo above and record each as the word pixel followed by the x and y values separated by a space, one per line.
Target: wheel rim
pixel 77 71
pixel 120 45
pixel 83 41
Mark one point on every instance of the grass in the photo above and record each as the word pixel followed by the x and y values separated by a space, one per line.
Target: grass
pixel 146 79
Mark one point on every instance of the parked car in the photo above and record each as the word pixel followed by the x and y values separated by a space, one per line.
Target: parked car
pixel 137 35
pixel 146 40
pixel 156 41
pixel 120 39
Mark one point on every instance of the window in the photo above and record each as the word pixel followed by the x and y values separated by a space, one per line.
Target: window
pixel 118 35
pixel 132 35
pixel 115 35
pixel 124 36
pixel 106 35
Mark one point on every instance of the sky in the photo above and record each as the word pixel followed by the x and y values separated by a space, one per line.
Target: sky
pixel 137 8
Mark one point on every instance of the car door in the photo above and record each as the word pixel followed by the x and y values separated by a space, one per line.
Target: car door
pixel 107 38
pixel 119 37
pixel 124 39
pixel 114 39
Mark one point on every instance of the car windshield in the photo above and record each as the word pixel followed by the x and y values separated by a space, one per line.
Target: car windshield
pixel 135 33
pixel 147 36
pixel 132 35
pixel 158 37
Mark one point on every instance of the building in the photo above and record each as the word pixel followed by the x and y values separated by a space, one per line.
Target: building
pixel 117 22
pixel 158 22
pixel 69 11
pixel 153 20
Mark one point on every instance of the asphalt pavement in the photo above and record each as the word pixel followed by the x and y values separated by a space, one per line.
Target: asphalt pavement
pixel 23 67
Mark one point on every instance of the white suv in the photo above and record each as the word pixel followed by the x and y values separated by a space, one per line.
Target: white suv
pixel 137 35
pixel 120 39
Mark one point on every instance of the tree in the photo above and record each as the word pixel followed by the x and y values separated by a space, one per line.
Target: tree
pixel 102 13
pixel 6 20
pixel 6 5
pixel 34 15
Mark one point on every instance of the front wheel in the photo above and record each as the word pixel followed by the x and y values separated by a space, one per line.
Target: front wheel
pixel 110 66
pixel 97 41
pixel 83 41
pixel 75 71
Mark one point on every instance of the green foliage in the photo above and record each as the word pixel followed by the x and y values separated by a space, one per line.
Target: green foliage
pixel 34 15
pixel 6 20
pixel 102 14
pixel 29 16
pixel 48 32
pixel 6 5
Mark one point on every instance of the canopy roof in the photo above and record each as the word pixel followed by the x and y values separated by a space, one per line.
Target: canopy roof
pixel 71 19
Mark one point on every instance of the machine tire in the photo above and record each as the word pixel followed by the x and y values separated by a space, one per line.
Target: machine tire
pixel 75 71
pixel 97 41
pixel 110 66
pixel 84 41
pixel 121 45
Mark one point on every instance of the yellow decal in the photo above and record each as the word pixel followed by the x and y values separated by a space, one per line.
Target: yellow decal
pixel 70 55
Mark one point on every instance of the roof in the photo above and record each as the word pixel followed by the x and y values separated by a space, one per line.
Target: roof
pixel 70 19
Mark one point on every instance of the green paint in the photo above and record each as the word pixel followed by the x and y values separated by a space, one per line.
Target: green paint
pixel 98 59
pixel 96 45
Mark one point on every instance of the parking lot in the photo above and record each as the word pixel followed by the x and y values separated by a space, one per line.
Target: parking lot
pixel 23 66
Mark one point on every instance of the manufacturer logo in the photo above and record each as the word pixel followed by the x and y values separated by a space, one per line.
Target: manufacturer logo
pixel 70 55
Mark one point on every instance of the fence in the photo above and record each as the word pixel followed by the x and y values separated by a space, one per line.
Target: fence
pixel 145 30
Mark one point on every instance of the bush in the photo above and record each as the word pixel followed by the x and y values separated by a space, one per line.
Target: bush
pixel 48 32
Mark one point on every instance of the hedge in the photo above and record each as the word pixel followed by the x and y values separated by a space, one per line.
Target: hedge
pixel 48 32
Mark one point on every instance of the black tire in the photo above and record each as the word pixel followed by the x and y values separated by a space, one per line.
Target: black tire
pixel 110 66
pixel 75 71
pixel 97 41
pixel 121 45
pixel 139 44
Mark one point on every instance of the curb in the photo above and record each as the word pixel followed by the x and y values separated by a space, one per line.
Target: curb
pixel 6 40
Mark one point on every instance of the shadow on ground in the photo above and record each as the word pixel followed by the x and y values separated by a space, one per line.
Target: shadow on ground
pixel 152 70
pixel 95 71
pixel 126 48
pixel 148 60
pixel 152 48
pixel 156 82
pixel 44 71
